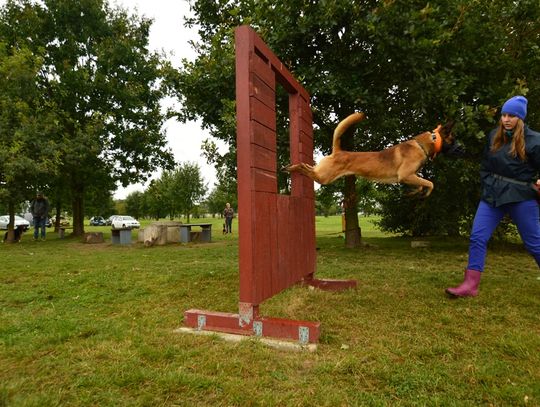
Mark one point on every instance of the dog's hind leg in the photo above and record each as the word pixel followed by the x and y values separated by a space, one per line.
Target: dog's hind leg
pixel 314 172
pixel 419 182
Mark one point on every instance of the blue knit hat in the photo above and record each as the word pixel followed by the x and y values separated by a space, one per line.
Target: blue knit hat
pixel 516 106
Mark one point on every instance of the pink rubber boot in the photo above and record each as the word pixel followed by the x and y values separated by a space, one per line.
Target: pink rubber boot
pixel 469 287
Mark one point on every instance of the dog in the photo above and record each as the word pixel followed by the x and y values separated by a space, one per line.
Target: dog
pixel 224 229
pixel 17 234
pixel 396 164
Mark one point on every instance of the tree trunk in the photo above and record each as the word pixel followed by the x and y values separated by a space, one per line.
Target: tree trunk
pixel 10 233
pixel 78 211
pixel 353 234
pixel 58 214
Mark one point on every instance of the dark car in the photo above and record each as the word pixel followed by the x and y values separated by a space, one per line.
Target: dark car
pixel 97 221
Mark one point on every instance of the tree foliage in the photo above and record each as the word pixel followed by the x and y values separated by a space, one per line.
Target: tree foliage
pixel 219 197
pixel 186 188
pixel 177 192
pixel 25 158
pixel 408 65
pixel 104 87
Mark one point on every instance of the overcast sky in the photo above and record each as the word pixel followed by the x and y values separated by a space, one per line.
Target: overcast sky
pixel 169 34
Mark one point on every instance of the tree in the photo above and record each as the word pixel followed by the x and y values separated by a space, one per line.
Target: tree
pixel 105 87
pixel 25 158
pixel 325 199
pixel 135 204
pixel 220 196
pixel 408 65
pixel 98 201
pixel 153 200
pixel 188 186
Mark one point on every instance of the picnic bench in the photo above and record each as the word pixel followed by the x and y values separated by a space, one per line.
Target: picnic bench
pixel 187 235
pixel 62 231
pixel 121 235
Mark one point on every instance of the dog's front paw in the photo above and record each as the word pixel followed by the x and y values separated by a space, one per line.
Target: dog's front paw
pixel 286 168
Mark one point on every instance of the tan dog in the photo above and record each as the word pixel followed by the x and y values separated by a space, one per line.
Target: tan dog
pixel 396 164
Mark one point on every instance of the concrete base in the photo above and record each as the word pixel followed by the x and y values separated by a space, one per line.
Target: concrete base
pixel 93 237
pixel 415 244
pixel 273 343
pixel 121 236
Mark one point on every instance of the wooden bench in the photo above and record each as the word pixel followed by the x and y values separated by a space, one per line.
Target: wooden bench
pixel 62 231
pixel 186 235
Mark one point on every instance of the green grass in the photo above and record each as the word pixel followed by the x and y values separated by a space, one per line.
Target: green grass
pixel 85 325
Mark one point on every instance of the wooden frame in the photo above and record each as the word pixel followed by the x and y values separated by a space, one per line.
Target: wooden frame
pixel 276 232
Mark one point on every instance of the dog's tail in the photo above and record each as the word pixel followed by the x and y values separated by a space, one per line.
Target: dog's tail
pixel 342 128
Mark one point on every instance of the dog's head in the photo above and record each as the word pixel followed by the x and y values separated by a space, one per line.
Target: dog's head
pixel 448 144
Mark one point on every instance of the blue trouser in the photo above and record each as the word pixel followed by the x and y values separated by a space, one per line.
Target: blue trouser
pixel 40 223
pixel 525 216
pixel 228 225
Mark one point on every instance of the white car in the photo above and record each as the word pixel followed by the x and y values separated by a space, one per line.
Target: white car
pixel 125 222
pixel 4 221
pixel 108 221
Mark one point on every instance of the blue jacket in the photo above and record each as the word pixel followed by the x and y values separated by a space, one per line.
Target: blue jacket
pixel 497 191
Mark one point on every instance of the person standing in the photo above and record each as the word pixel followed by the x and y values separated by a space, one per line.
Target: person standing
pixel 39 208
pixel 508 171
pixel 228 213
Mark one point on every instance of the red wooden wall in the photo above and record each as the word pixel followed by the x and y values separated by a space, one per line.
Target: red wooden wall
pixel 276 232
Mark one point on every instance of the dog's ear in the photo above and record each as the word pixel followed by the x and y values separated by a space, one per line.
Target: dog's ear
pixel 447 128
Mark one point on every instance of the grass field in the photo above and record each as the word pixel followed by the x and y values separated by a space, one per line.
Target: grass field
pixel 93 325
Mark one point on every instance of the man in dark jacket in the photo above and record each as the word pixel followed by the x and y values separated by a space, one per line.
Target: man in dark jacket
pixel 39 208
pixel 509 171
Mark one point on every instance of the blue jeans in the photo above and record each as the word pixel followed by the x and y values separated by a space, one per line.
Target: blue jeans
pixel 228 225
pixel 40 223
pixel 525 216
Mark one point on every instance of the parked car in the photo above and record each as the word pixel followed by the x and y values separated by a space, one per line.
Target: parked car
pixel 97 221
pixel 63 221
pixel 124 222
pixel 4 222
pixel 109 220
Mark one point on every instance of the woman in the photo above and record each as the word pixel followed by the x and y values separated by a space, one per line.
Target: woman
pixel 228 213
pixel 509 167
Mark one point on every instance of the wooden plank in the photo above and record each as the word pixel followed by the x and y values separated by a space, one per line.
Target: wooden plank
pixel 294 127
pixel 263 181
pixel 262 70
pixel 282 74
pixel 306 114
pixel 270 327
pixel 262 91
pixel 264 247
pixel 263 158
pixel 306 140
pixel 263 136
pixel 286 242
pixel 244 47
pixel 269 281
pixel 263 114
pixel 308 204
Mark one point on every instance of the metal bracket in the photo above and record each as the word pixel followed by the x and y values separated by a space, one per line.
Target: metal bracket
pixel 201 322
pixel 246 314
pixel 258 328
pixel 303 335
